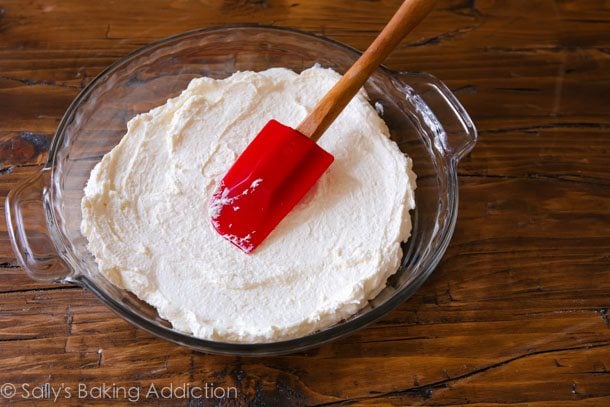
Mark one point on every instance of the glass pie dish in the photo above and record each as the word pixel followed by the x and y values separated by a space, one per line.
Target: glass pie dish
pixel 44 213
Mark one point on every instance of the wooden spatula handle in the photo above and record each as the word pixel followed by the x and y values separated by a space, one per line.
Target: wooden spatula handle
pixel 410 13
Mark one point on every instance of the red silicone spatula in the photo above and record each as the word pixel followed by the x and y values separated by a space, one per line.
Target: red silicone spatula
pixel 281 164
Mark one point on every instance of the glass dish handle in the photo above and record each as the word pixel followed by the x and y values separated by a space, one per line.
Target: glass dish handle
pixel 28 231
pixel 454 130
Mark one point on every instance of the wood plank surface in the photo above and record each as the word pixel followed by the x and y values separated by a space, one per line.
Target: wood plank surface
pixel 516 313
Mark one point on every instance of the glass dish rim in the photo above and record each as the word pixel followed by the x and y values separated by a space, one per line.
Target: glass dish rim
pixel 246 349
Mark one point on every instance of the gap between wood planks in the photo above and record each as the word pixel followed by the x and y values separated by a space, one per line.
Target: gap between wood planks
pixel 426 391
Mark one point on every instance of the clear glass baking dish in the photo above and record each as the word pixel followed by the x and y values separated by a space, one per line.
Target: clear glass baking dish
pixel 43 213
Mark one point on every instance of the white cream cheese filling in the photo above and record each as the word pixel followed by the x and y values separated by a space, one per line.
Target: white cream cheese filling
pixel 145 212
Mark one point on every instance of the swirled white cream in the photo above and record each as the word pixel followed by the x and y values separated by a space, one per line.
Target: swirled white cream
pixel 145 212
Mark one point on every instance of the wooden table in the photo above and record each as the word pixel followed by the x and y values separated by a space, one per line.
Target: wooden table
pixel 516 313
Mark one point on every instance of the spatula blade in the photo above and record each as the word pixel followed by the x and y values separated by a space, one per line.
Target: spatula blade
pixel 268 179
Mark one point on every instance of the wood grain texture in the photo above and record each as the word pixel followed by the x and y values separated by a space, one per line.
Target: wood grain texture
pixel 517 312
pixel 408 16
